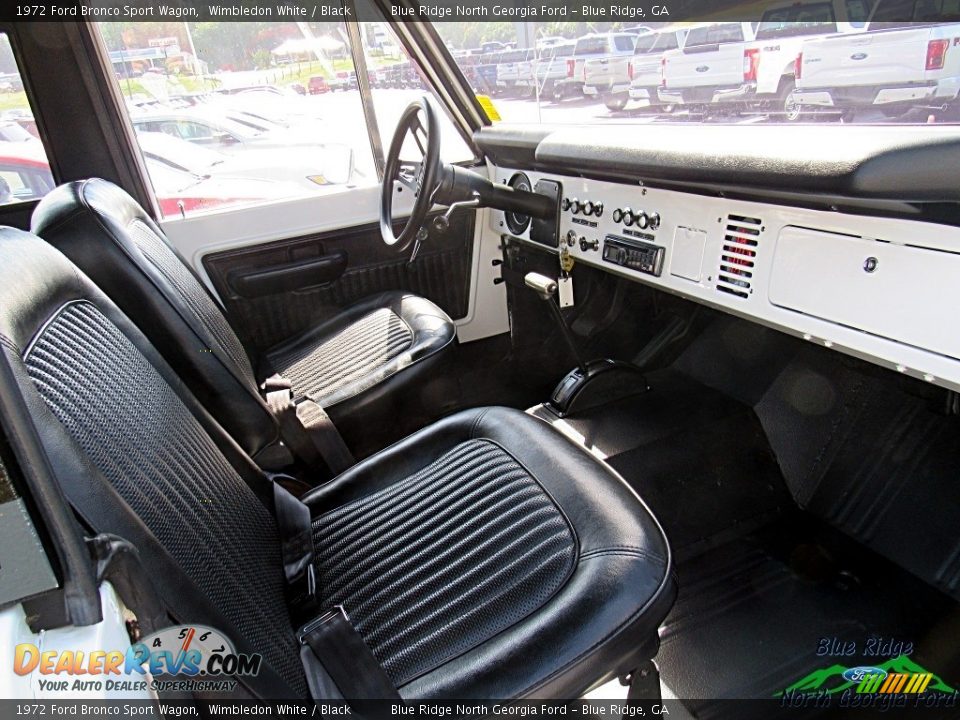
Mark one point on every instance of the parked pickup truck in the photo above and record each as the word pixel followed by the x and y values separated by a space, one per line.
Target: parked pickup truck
pixel 893 67
pixel 508 72
pixel 712 67
pixel 605 73
pixel 644 70
pixel 780 36
pixel 551 68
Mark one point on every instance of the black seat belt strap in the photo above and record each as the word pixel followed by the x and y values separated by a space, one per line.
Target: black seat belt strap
pixel 296 543
pixel 346 657
pixel 307 428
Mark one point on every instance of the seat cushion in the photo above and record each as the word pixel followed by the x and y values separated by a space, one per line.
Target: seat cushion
pixel 362 346
pixel 372 367
pixel 488 556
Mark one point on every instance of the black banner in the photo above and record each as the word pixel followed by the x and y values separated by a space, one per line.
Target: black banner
pixel 624 11
pixel 893 706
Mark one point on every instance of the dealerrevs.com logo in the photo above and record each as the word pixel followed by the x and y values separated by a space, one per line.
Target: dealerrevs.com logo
pixel 198 657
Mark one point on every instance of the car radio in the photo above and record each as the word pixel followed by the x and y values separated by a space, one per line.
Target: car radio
pixel 633 254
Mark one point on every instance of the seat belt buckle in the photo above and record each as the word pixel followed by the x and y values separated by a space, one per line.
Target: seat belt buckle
pixel 322 619
pixel 275 383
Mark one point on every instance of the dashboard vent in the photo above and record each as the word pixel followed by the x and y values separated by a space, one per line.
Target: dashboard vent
pixel 738 256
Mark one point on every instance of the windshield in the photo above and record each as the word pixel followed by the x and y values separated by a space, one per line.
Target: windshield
pixel 797 21
pixel 656 43
pixel 714 35
pixel 591 46
pixel 890 14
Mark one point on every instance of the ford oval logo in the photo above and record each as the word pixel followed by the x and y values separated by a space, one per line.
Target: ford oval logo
pixel 857 674
pixel 858 56
pixel 703 68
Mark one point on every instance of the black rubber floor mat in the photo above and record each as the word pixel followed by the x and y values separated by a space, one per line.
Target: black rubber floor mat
pixel 872 460
pixel 752 616
pixel 697 457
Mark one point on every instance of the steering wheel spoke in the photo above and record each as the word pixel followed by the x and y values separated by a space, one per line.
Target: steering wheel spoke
pixel 419 135
pixel 422 177
pixel 410 174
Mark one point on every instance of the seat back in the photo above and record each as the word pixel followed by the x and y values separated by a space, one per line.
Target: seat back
pixel 139 457
pixel 114 241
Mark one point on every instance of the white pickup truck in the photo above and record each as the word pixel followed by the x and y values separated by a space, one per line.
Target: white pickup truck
pixel 644 70
pixel 509 68
pixel 589 71
pixel 780 37
pixel 893 67
pixel 607 75
pixel 551 68
pixel 712 67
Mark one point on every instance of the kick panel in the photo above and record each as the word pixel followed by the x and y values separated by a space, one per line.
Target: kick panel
pixel 878 288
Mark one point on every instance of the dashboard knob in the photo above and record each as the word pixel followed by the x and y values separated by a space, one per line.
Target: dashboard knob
pixel 574 206
pixel 654 221
pixel 618 215
pixel 565 205
pixel 588 208
pixel 598 209
pixel 628 216
pixel 571 238
pixel 642 220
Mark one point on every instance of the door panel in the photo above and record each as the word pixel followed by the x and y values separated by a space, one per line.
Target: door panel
pixel 441 273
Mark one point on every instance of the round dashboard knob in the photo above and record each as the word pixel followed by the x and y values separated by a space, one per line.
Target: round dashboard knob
pixel 642 220
pixel 574 206
pixel 618 215
pixel 628 216
pixel 588 208
pixel 654 221
pixel 565 205
pixel 598 209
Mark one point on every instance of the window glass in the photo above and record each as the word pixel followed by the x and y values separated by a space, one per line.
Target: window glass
pixel 396 82
pixel 24 169
pixel 804 61
pixel 230 114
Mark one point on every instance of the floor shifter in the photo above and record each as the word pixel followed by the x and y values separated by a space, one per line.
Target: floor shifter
pixel 590 383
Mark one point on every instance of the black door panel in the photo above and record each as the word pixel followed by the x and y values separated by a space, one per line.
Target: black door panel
pixel 267 307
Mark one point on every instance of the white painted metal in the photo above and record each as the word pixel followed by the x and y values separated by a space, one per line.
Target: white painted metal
pixel 109 634
pixel 901 292
pixel 891 342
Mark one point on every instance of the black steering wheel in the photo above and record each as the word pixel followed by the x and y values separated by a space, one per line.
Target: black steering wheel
pixel 420 178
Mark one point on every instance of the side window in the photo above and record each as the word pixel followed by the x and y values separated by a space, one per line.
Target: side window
pixel 396 82
pixel 24 169
pixel 231 114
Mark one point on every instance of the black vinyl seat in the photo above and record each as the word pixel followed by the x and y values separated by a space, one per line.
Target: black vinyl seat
pixel 361 366
pixel 485 556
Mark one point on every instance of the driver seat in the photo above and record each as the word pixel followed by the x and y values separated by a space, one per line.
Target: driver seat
pixel 365 366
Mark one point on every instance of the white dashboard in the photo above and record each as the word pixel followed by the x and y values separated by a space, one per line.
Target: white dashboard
pixel 885 290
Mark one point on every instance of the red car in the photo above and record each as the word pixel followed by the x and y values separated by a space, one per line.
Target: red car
pixel 318 85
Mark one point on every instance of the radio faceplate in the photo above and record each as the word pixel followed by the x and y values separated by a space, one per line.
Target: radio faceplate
pixel 634 254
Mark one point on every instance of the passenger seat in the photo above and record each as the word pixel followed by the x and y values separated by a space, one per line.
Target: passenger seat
pixel 485 556
pixel 362 366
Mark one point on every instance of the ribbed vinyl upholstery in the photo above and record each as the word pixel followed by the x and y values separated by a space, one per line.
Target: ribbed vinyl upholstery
pixel 148 445
pixel 445 559
pixel 221 336
pixel 321 371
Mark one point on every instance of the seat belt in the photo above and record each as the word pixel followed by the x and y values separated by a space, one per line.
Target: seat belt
pixel 346 658
pixel 331 638
pixel 296 545
pixel 307 428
